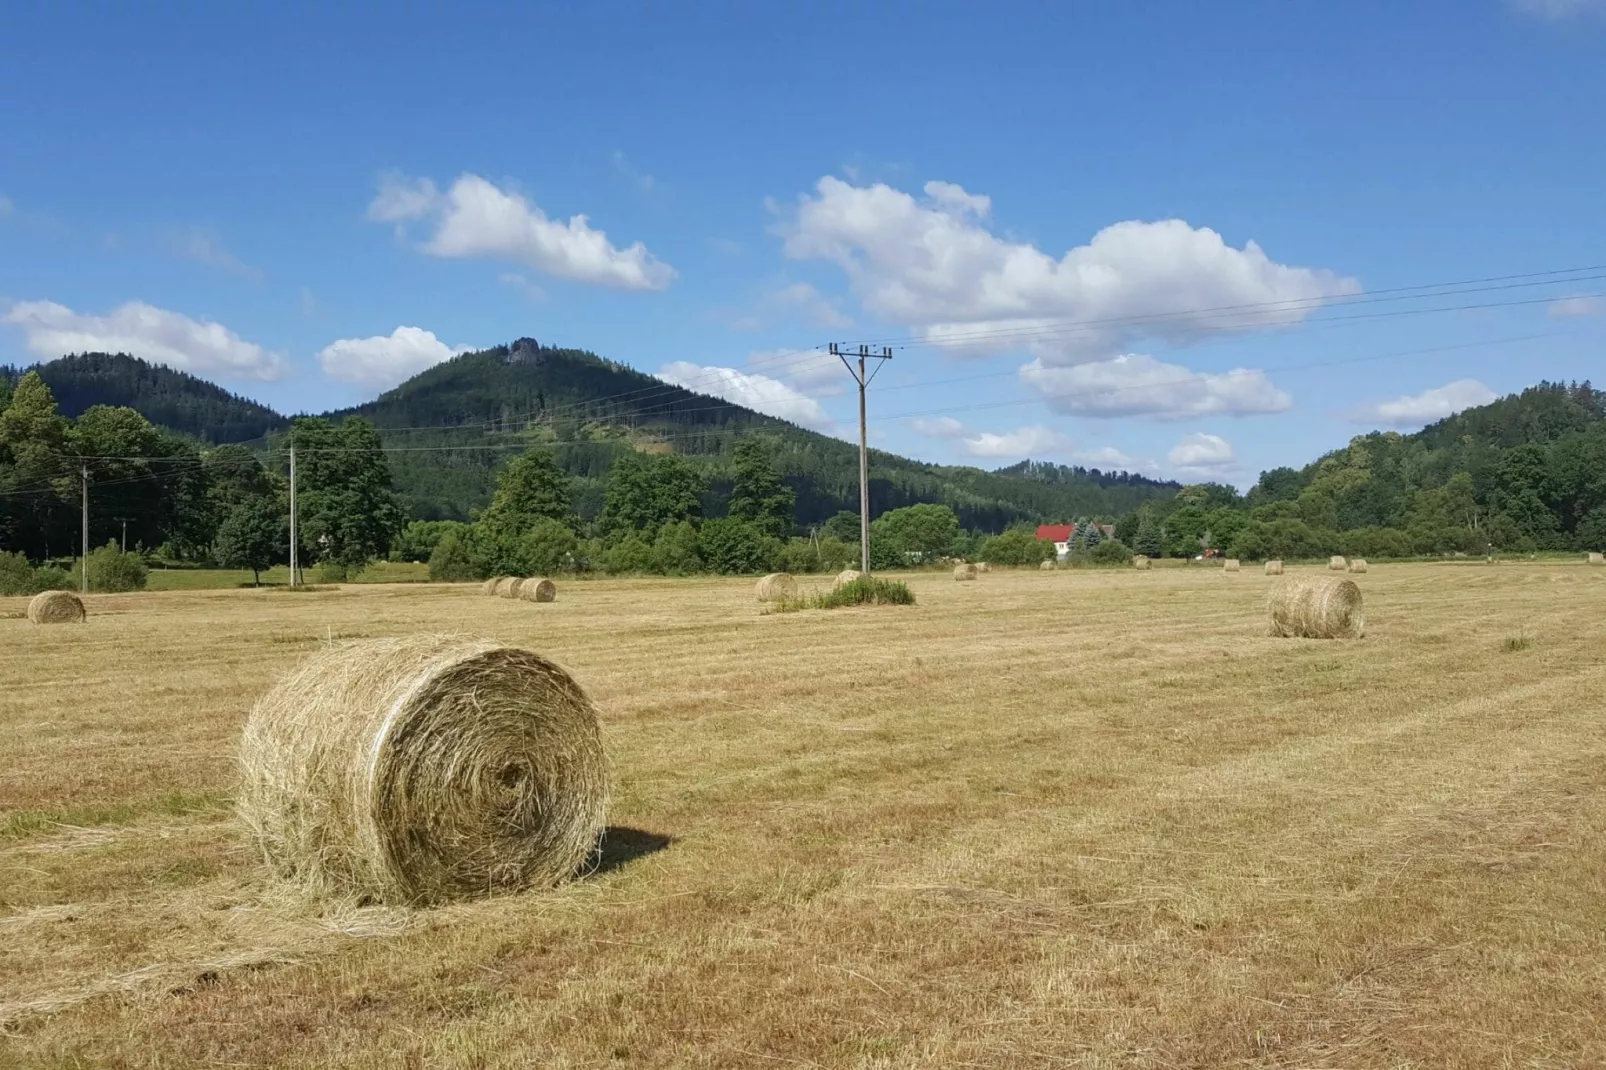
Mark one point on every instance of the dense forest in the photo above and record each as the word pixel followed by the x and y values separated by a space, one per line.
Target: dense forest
pixel 627 473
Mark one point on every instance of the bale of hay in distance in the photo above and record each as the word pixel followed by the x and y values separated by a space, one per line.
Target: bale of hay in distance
pixel 1336 563
pixel 1046 566
pixel 1140 562
pixel 1274 568
pixel 1596 559
pixel 1317 607
pixel 423 769
pixel 1231 564
pixel 537 589
pixel 982 566
pixel 1357 564
pixel 966 571
pixel 847 575
pixel 506 586
pixel 489 586
pixel 55 607
pixel 776 586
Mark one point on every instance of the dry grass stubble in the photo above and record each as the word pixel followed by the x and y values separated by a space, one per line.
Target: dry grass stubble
pixel 1146 835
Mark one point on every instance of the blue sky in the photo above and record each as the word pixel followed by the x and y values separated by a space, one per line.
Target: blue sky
pixel 1045 211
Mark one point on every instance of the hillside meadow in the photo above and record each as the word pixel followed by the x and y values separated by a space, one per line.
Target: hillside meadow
pixel 1090 819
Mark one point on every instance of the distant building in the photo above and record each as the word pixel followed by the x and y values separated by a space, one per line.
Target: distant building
pixel 1058 534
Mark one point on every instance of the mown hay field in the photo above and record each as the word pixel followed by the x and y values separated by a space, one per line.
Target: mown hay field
pixel 1090 819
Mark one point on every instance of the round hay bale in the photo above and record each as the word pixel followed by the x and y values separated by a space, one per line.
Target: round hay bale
pixel 966 571
pixel 1357 564
pixel 55 607
pixel 537 589
pixel 776 586
pixel 982 566
pixel 1317 607
pixel 1046 566
pixel 423 769
pixel 1274 568
pixel 847 575
pixel 506 586
pixel 1596 559
pixel 1231 564
pixel 489 586
pixel 1140 562
pixel 1336 563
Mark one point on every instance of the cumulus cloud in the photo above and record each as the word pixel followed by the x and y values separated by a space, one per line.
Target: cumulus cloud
pixel 385 359
pixel 1108 457
pixel 932 264
pixel 205 247
pixel 757 392
pixel 810 371
pixel 1139 385
pixel 941 427
pixel 1203 455
pixel 1022 442
pixel 1415 410
pixel 475 218
pixel 154 334
pixel 1569 307
pixel 1559 10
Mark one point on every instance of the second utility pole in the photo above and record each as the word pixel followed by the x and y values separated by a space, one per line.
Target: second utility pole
pixel 864 443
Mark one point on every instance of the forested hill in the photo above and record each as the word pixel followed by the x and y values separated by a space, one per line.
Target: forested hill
pixel 590 409
pixel 171 399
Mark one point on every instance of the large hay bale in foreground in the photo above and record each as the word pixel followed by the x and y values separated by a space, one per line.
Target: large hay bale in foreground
pixel 489 586
pixel 537 589
pixel 1046 566
pixel 424 769
pixel 1336 563
pixel 55 607
pixel 966 571
pixel 1357 564
pixel 847 575
pixel 1596 559
pixel 982 566
pixel 1317 607
pixel 1231 564
pixel 1140 562
pixel 776 586
pixel 1274 568
pixel 506 586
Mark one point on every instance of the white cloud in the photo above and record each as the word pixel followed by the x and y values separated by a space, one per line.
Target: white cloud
pixel 475 218
pixel 205 247
pixel 1426 407
pixel 1108 457
pixel 1020 443
pixel 757 392
pixel 154 334
pixel 1204 455
pixel 385 360
pixel 1569 307
pixel 810 372
pixel 932 265
pixel 1139 385
pixel 941 427
pixel 794 301
pixel 1557 10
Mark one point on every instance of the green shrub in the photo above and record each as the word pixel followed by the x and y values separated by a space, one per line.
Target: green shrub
pixel 674 553
pixel 16 575
pixel 52 578
pixel 1016 547
pixel 864 591
pixel 632 554
pixel 112 571
pixel 1112 552
pixel 547 547
pixel 418 540
pixel 451 561
pixel 332 572
pixel 730 545
pixel 799 555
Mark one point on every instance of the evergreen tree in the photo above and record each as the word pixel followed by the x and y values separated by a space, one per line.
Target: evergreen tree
pixel 758 495
pixel 1148 540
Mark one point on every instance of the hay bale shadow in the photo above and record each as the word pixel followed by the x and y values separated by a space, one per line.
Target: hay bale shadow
pixel 619 846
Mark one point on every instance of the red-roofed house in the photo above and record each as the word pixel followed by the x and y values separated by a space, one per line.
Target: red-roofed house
pixel 1059 535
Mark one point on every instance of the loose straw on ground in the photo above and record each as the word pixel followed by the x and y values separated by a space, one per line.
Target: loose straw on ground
pixel 423 769
pixel 55 607
pixel 1317 607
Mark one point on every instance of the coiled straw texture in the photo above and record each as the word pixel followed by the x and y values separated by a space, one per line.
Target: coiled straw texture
pixel 424 769
pixel 776 586
pixel 1317 607
pixel 536 589
pixel 55 607
pixel 847 575
pixel 965 571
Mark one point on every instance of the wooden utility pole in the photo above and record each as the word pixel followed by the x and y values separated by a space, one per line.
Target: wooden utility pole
pixel 864 441
pixel 83 562
pixel 293 561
